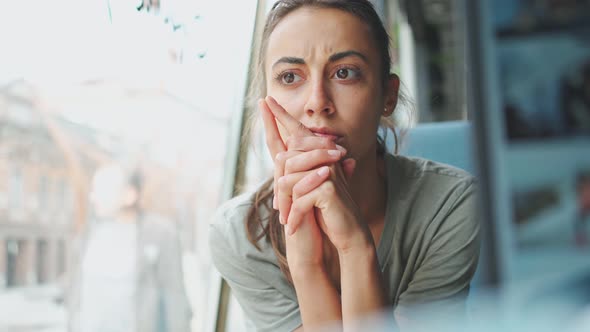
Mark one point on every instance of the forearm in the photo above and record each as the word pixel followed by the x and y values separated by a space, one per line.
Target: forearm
pixel 319 301
pixel 363 292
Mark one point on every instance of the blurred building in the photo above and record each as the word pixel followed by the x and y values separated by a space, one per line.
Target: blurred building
pixel 41 198
pixel 46 163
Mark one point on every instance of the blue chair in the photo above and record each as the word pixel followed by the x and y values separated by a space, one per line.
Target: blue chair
pixel 445 142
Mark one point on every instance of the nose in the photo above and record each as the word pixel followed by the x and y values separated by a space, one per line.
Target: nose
pixel 319 101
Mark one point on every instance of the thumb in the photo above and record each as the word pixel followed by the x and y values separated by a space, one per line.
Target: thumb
pixel 348 166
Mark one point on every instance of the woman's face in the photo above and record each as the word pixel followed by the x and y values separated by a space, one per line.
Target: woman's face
pixel 323 67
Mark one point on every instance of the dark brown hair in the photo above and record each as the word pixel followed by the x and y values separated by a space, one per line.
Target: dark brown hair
pixel 271 229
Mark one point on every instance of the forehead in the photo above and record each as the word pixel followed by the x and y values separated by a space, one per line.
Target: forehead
pixel 312 32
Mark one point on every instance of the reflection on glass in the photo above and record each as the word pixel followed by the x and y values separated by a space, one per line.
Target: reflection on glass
pixel 86 85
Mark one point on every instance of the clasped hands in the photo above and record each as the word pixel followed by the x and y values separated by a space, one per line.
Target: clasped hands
pixel 311 189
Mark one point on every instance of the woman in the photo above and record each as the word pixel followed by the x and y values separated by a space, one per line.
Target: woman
pixel 344 229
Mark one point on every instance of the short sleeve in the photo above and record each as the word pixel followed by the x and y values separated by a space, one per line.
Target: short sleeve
pixel 441 282
pixel 253 282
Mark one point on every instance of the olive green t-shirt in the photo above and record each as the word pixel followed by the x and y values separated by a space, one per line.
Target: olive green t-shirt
pixel 428 251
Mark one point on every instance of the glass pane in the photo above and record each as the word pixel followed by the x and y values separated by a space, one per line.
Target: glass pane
pixel 116 119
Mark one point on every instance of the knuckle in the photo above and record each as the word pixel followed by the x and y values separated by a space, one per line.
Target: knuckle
pixel 280 156
pixel 283 183
pixel 296 207
pixel 289 164
pixel 326 142
pixel 280 159
pixel 328 188
pixel 297 190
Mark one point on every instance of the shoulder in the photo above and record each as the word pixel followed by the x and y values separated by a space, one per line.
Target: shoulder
pixel 423 170
pixel 436 228
pixel 233 211
pixel 417 179
pixel 228 237
pixel 256 281
pixel 430 198
pixel 228 226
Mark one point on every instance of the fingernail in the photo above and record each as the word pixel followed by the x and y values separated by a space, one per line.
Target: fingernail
pixel 274 202
pixel 282 220
pixel 335 153
pixel 289 230
pixel 323 171
pixel 341 149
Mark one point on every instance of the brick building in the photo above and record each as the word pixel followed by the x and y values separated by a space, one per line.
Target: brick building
pixel 41 194
pixel 46 163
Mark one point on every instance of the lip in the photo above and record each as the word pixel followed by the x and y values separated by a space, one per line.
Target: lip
pixel 326 132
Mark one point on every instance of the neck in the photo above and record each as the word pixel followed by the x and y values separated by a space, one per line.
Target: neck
pixel 369 187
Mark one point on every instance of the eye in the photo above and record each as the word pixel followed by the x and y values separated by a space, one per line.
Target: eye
pixel 346 73
pixel 289 78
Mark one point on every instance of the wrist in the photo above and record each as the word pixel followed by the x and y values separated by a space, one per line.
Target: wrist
pixel 360 251
pixel 305 272
pixel 361 242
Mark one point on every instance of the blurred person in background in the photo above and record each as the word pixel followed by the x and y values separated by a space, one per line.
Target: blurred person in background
pixel 129 275
pixel 345 229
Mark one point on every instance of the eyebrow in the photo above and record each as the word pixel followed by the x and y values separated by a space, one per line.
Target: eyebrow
pixel 333 58
pixel 341 55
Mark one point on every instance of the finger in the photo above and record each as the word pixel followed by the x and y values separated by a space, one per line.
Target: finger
pixel 285 193
pixel 299 208
pixel 306 161
pixel 303 204
pixel 348 166
pixel 274 142
pixel 284 202
pixel 308 143
pixel 279 171
pixel 306 222
pixel 292 125
pixel 310 181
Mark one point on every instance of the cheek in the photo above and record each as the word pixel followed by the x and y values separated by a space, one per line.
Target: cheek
pixel 365 109
pixel 293 101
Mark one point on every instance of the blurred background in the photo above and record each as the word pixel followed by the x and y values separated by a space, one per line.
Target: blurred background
pixel 87 83
pixel 160 85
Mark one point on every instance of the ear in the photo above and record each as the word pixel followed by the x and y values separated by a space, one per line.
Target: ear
pixel 391 94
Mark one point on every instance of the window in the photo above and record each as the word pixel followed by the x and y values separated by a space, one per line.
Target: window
pixel 429 56
pixel 151 90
